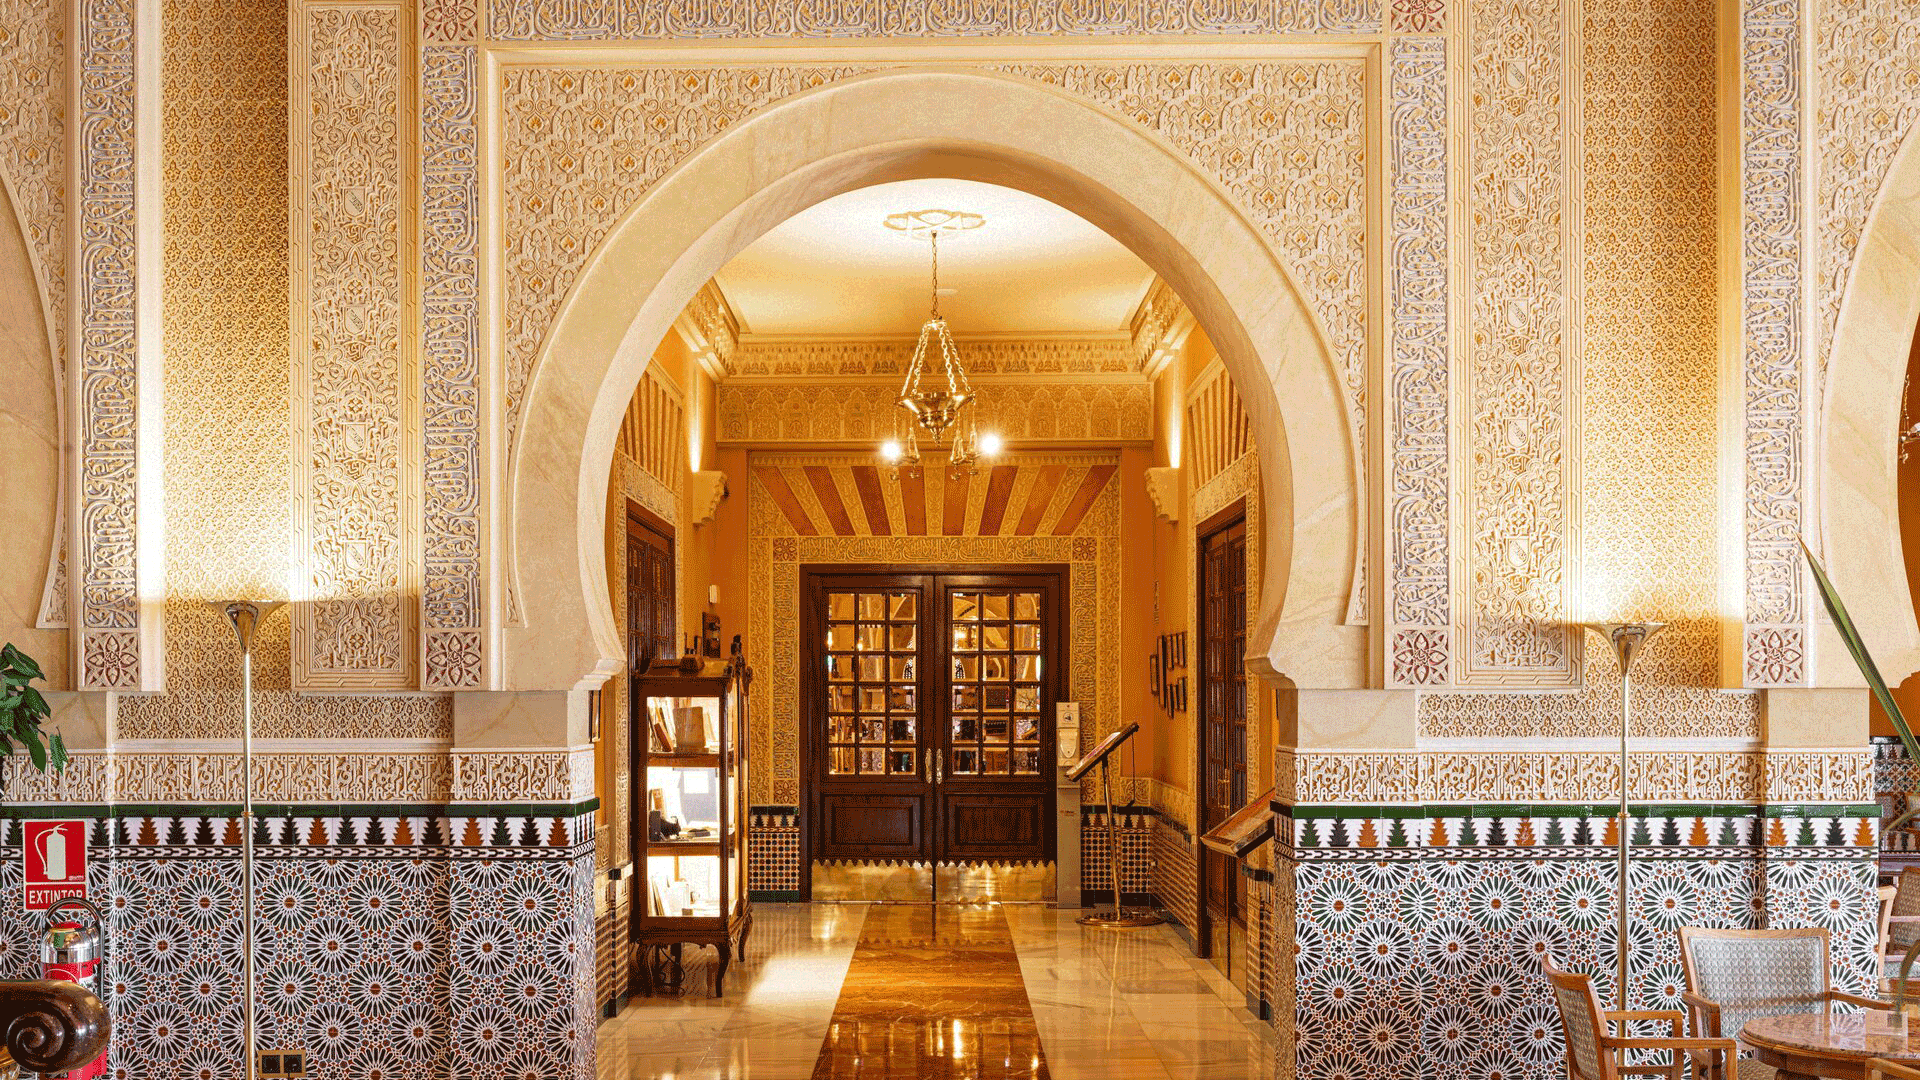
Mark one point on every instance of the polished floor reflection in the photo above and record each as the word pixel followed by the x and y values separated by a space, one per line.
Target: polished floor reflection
pixel 828 984
pixel 934 991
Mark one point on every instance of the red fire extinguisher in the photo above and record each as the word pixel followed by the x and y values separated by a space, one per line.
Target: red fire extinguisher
pixel 71 952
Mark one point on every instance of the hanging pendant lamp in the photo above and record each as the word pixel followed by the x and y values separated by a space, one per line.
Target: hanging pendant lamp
pixel 936 393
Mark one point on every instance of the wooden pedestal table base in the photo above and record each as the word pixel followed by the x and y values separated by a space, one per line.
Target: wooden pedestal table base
pixel 1836 1045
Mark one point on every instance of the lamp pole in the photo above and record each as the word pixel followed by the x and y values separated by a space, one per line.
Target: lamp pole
pixel 1627 640
pixel 245 616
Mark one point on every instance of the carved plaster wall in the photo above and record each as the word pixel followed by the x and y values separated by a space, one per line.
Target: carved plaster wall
pixel 579 151
pixel 1647 406
pixel 453 603
pixel 1518 370
pixel 1867 59
pixel 1213 111
pixel 1026 412
pixel 604 20
pixel 116 643
pixel 1804 210
pixel 33 165
pixel 1531 775
pixel 1418 398
pixel 356 469
pixel 855 357
pixel 1773 429
pixel 30 445
pixel 228 391
pixel 580 145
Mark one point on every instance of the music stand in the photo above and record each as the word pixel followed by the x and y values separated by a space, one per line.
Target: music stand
pixel 1119 917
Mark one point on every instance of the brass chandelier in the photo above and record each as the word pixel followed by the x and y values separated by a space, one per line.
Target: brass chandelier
pixel 936 392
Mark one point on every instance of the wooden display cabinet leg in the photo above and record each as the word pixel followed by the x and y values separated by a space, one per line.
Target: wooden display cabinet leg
pixel 720 968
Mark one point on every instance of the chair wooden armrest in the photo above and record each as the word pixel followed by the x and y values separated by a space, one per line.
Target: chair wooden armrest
pixel 1719 1046
pixel 1856 999
pixel 1709 1058
pixel 1706 1014
pixel 1676 1020
pixel 1882 1069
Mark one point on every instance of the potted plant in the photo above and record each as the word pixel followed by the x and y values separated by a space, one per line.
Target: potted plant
pixel 22 712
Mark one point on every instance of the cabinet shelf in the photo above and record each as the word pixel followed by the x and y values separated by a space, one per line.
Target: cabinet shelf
pixel 699 845
pixel 692 889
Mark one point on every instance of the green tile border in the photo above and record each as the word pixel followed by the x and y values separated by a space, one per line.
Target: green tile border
pixel 116 811
pixel 1328 811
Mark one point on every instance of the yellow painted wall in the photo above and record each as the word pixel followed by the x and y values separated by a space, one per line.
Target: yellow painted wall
pixel 1168 599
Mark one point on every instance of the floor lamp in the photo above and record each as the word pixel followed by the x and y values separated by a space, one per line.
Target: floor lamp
pixel 245 617
pixel 1627 640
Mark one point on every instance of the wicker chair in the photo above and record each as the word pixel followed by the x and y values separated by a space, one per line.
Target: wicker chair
pixel 1734 976
pixel 1594 1048
pixel 1899 926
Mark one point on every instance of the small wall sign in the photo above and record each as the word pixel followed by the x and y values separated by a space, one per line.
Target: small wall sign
pixel 55 854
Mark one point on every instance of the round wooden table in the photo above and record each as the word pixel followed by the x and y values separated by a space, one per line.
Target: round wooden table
pixel 1829 1044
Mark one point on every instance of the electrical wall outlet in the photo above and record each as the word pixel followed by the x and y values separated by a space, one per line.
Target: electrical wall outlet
pixel 283 1064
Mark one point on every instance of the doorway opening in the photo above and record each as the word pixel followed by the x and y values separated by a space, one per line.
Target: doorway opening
pixel 929 732
pixel 651 604
pixel 1221 725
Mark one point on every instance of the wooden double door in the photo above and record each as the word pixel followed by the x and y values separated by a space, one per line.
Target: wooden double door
pixel 928 705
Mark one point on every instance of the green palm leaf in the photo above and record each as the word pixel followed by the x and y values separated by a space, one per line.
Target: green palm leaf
pixel 1851 635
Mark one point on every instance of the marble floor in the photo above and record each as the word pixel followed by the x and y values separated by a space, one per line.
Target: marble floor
pixel 1105 1004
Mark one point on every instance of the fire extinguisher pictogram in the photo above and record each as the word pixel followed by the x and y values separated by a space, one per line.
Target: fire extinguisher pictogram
pixel 72 951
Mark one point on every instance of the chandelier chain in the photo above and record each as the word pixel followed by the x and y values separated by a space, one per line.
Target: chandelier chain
pixel 937 408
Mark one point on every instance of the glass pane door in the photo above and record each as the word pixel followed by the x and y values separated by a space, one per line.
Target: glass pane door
pixel 994 714
pixel 928 702
pixel 873 683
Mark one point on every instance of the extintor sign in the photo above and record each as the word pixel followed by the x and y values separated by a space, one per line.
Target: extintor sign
pixel 55 853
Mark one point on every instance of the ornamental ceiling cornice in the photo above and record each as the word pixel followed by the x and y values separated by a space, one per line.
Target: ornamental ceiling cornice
pixel 1049 357
pixel 1156 329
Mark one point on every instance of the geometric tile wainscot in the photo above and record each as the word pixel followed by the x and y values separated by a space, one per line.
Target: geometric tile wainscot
pixel 395 936
pixel 1420 929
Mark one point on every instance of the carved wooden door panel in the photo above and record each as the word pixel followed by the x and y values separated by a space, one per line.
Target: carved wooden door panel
pixel 929 715
pixel 1223 702
pixel 651 634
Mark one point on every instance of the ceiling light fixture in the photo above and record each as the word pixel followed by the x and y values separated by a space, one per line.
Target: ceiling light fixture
pixel 937 392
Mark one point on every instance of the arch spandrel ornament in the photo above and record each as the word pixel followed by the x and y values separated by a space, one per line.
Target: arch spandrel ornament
pixel 900 125
pixel 1859 505
pixel 32 584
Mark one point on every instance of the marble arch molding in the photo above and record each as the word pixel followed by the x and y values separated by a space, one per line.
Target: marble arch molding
pixel 900 125
pixel 1859 499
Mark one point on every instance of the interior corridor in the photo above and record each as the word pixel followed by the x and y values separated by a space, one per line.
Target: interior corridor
pixel 847 991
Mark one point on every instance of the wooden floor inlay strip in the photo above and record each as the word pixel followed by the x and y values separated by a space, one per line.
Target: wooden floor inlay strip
pixel 934 993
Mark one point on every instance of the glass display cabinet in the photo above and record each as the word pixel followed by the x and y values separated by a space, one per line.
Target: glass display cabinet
pixel 691 837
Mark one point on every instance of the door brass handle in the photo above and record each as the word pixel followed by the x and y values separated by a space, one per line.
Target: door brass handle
pixel 939 770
